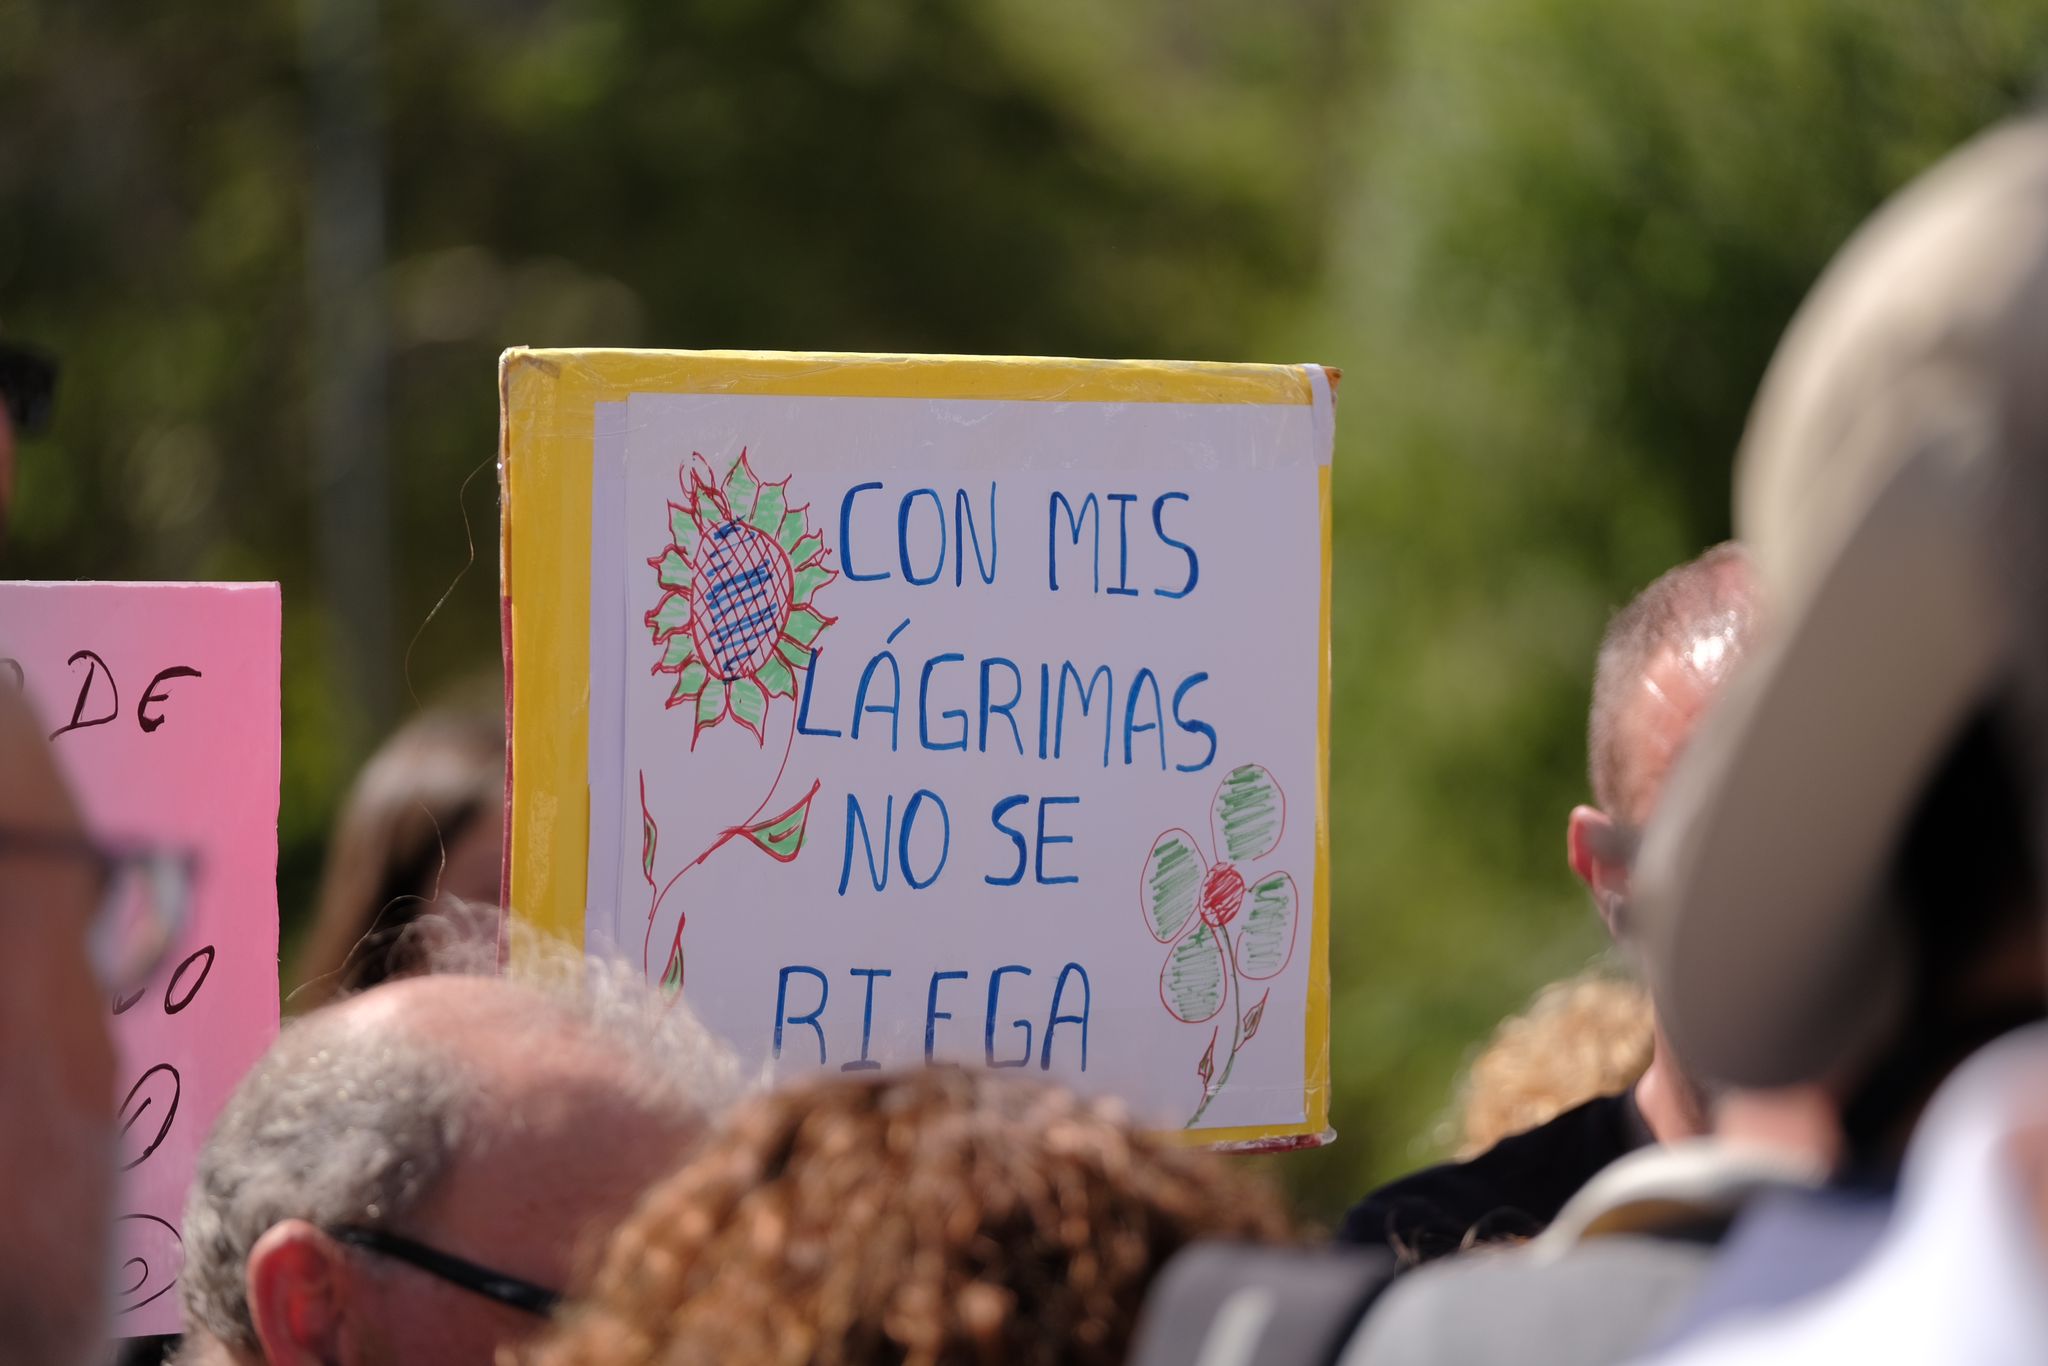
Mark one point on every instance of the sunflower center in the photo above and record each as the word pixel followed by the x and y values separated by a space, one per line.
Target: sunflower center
pixel 744 588
pixel 1222 895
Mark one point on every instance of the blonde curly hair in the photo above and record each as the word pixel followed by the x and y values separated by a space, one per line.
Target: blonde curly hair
pixel 932 1218
pixel 1585 1036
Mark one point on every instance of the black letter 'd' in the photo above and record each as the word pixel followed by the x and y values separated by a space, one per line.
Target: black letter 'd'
pixel 97 667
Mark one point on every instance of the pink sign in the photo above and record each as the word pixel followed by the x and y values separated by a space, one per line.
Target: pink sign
pixel 161 700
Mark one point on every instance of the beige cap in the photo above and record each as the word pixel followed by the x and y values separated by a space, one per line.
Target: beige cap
pixel 1890 487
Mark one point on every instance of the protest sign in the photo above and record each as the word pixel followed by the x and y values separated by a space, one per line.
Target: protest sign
pixel 161 701
pixel 896 710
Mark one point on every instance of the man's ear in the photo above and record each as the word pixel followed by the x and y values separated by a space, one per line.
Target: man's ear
pixel 297 1286
pixel 1592 847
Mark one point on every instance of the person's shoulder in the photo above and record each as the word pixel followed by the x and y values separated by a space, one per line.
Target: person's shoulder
pixel 1512 1190
pixel 1602 1302
pixel 1432 1212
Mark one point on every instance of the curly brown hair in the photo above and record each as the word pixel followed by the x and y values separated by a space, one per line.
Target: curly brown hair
pixel 932 1218
pixel 1589 1035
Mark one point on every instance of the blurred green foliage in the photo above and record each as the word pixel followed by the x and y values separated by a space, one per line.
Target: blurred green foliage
pixel 1551 243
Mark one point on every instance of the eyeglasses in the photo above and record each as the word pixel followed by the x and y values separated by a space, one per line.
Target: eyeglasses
pixel 466 1275
pixel 144 894
pixel 28 385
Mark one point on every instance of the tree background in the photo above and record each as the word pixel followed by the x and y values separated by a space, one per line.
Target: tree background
pixel 1550 242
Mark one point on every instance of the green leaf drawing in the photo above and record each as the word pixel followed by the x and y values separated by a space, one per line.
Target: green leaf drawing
pixel 1172 884
pixel 1248 814
pixel 1267 941
pixel 672 975
pixel 1251 1020
pixel 782 837
pixel 649 835
pixel 1191 984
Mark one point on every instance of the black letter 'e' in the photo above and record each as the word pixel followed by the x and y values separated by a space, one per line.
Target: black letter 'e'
pixel 150 694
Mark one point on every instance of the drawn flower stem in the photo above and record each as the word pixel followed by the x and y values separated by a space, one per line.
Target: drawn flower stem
pixel 726 836
pixel 1237 1041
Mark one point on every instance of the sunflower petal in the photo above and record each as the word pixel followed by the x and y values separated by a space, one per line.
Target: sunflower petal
pixel 807 549
pixel 681 649
pixel 809 580
pixel 711 703
pixel 1191 983
pixel 768 507
pixel 1171 884
pixel 775 678
pixel 805 623
pixel 794 523
pixel 741 484
pixel 669 616
pixel 683 528
pixel 689 683
pixel 672 569
pixel 798 656
pixel 748 704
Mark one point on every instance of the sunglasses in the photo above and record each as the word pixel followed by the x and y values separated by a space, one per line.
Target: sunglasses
pixel 28 386
pixel 456 1271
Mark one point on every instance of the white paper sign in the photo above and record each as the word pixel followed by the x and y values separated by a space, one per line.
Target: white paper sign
pixel 966 731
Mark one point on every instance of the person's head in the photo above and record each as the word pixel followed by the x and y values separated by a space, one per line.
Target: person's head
pixel 1844 881
pixel 56 1061
pixel 422 830
pixel 1586 1036
pixel 484 1120
pixel 1664 657
pixel 941 1216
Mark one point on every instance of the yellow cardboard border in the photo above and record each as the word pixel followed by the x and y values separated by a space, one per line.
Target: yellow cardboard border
pixel 547 422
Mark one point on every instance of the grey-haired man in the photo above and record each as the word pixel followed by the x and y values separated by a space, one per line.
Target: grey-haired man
pixel 409 1175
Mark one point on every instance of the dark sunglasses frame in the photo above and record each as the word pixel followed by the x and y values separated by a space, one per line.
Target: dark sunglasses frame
pixel 456 1271
pixel 28 386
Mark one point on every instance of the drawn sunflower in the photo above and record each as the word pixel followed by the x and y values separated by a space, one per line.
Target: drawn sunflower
pixel 735 619
pixel 1222 928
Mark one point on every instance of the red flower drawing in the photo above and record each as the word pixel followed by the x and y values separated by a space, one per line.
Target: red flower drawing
pixel 1221 926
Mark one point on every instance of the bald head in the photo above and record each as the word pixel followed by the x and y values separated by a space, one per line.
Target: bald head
pixel 1662 660
pixel 492 1121
pixel 56 1060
